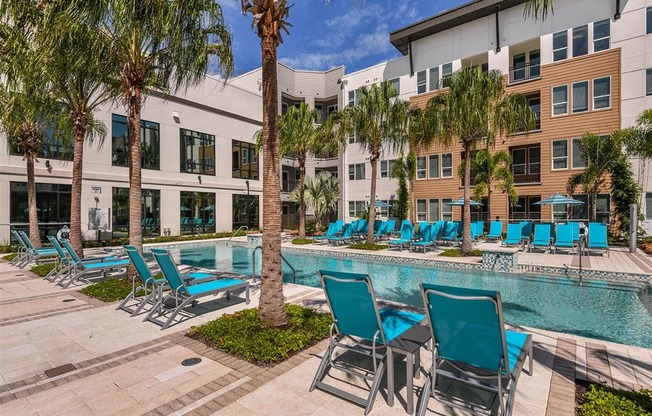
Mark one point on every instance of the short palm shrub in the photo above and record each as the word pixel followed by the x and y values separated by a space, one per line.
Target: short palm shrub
pixel 365 246
pixel 301 241
pixel 600 400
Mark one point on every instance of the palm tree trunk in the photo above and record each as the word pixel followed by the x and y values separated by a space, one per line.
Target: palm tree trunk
pixel 79 128
pixel 302 198
pixel 594 203
pixel 467 247
pixel 489 201
pixel 375 155
pixel 34 234
pixel 271 306
pixel 135 177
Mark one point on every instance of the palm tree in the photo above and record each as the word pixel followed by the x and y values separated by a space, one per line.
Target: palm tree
pixel 379 119
pixel 474 109
pixel 538 8
pixel 269 18
pixel 322 194
pixel 490 167
pixel 159 47
pixel 600 155
pixel 638 142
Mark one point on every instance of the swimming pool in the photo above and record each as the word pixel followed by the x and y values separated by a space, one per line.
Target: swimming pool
pixel 617 315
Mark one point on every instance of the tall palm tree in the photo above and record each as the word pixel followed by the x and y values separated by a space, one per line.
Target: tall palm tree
pixel 600 155
pixel 322 194
pixel 538 8
pixel 379 119
pixel 638 143
pixel 489 168
pixel 159 47
pixel 475 109
pixel 269 19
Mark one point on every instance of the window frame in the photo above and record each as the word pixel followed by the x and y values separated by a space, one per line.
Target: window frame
pixel 593 96
pixel 245 161
pixel 565 103
pixel 435 87
pixel 423 170
pixel 429 215
pixel 446 214
pixel 442 167
pixel 588 97
pixel 351 101
pixel 648 81
pixel 584 28
pixel 553 158
pixel 564 48
pixel 572 146
pixel 438 170
pixel 607 38
pixel 421 215
pixel 396 84
pixel 422 84
pixel 145 127
pixel 387 170
pixel 353 171
pixel 446 72
pixel 648 20
pixel 203 138
pixel 648 206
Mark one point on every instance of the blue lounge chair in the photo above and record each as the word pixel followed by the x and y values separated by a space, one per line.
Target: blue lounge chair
pixel 391 227
pixel 361 229
pixel 347 235
pixel 330 233
pixel 183 294
pixel 365 329
pixel 564 238
pixel 471 346
pixel 451 232
pixel 576 230
pixel 597 237
pixel 397 233
pixel 428 240
pixel 513 237
pixel 477 230
pixel 526 230
pixel 382 230
pixel 147 279
pixel 421 230
pixel 407 229
pixel 79 269
pixel 31 252
pixel 495 231
pixel 541 237
pixel 339 224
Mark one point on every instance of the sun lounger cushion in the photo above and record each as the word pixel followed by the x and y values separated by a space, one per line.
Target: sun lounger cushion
pixel 210 286
pixel 395 321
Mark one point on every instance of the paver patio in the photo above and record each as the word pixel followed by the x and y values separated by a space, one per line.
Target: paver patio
pixel 126 367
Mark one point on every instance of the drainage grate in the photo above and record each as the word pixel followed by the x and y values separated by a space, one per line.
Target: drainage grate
pixel 62 369
pixel 191 361
pixel 68 300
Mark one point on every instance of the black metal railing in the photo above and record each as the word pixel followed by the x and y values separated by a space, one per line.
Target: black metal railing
pixel 525 72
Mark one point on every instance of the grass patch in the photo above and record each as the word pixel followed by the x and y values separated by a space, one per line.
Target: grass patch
pixel 456 252
pixel 43 269
pixel 8 249
pixel 365 246
pixel 10 257
pixel 301 241
pixel 109 290
pixel 242 335
pixel 600 400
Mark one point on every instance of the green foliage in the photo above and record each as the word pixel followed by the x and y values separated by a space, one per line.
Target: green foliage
pixel 43 269
pixel 400 206
pixel 301 241
pixel 8 249
pixel 456 252
pixel 365 246
pixel 322 194
pixel 10 256
pixel 242 334
pixel 109 290
pixel 624 192
pixel 114 242
pixel 604 401
pixel 492 169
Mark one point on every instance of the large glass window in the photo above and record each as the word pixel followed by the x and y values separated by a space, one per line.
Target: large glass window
pixel 560 100
pixel 580 40
pixel 560 154
pixel 447 165
pixel 581 212
pixel 150 143
pixel 433 166
pixel 197 152
pixel 526 164
pixel 396 85
pixel 649 21
pixel 421 82
pixel 433 83
pixel 356 171
pixel 52 146
pixel 601 93
pixel 446 73
pixel 150 214
pixel 648 81
pixel 52 203
pixel 433 210
pixel 357 208
pixel 560 46
pixel 447 209
pixel 421 167
pixel 580 97
pixel 601 35
pixel 197 212
pixel 422 212
pixel 578 161
pixel 245 211
pixel 244 160
pixel 386 168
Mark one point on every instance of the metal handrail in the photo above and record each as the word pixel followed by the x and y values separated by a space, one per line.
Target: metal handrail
pixel 253 264
pixel 237 231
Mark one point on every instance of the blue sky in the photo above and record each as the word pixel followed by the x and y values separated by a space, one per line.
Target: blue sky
pixel 344 32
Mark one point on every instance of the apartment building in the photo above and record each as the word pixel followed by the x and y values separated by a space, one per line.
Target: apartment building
pixel 583 69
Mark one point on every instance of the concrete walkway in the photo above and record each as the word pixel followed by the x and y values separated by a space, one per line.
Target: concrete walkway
pixel 122 366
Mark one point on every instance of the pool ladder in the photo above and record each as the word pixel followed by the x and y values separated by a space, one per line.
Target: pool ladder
pixel 253 264
pixel 242 227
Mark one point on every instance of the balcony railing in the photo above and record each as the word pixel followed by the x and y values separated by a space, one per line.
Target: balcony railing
pixel 531 178
pixel 536 127
pixel 525 72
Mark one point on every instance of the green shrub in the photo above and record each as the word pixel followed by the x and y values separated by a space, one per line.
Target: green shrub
pixel 113 242
pixel 8 249
pixel 109 290
pixel 456 252
pixel 10 257
pixel 365 246
pixel 600 400
pixel 242 335
pixel 43 269
pixel 300 241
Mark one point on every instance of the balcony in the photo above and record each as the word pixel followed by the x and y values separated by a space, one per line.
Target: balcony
pixel 525 72
pixel 527 173
pixel 288 185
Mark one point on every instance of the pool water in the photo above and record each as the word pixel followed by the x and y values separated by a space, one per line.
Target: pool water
pixel 594 311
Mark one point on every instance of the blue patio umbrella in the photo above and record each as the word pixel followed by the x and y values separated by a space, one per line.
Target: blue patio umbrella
pixel 460 203
pixel 381 204
pixel 558 199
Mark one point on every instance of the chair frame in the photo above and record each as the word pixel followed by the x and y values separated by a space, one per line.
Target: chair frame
pixel 78 268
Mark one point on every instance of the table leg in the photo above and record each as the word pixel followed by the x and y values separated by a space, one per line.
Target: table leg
pixel 390 377
pixel 410 381
pixel 417 364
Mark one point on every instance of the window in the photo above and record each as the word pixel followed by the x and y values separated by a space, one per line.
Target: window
pixel 319 108
pixel 351 98
pixel 648 81
pixel 356 208
pixel 580 41
pixel 581 212
pixel 422 214
pixel 150 212
pixel 421 82
pixel 648 206
pixel 396 85
pixel 244 160
pixel 433 166
pixel 560 46
pixel 560 100
pixel 434 79
pixel 446 72
pixel 197 152
pixel 560 154
pixel 601 93
pixel 197 212
pixel 580 97
pixel 149 142
pixel 447 165
pixel 245 211
pixel 578 161
pixel 601 34
pixel 447 209
pixel 433 210
pixel 603 208
pixel 526 164
pixel 421 167
pixel 52 203
pixel 52 146
pixel 356 171
pixel 386 168
pixel 649 21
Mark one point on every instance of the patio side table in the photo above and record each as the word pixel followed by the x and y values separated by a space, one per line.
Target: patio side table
pixel 408 344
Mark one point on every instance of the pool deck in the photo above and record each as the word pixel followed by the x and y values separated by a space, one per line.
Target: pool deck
pixel 126 367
